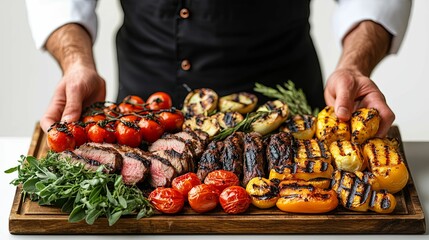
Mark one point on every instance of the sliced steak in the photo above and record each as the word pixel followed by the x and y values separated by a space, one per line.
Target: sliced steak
pixel 232 154
pixel 193 139
pixel 171 142
pixel 107 156
pixel 210 160
pixel 182 162
pixel 88 163
pixel 279 150
pixel 162 171
pixel 253 159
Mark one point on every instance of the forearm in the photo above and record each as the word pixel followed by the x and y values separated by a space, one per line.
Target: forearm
pixel 71 45
pixel 364 47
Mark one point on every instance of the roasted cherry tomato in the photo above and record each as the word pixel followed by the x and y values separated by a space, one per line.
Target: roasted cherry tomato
pixel 221 179
pixel 166 200
pixel 263 192
pixel 203 198
pixel 128 133
pixel 150 129
pixel 77 129
pixel 171 119
pixel 234 200
pixel 185 182
pixel 131 104
pixel 60 138
pixel 111 110
pixel 159 100
pixel 102 132
pixel 92 119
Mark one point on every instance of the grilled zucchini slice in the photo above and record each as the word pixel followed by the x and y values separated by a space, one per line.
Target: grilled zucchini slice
pixel 277 113
pixel 242 102
pixel 201 101
pixel 300 126
pixel 228 119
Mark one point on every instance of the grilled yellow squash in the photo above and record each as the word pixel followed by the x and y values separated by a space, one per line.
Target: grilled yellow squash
pixel 228 119
pixel 277 113
pixel 347 156
pixel 200 102
pixel 263 192
pixel 312 149
pixel 200 122
pixel 241 102
pixel 329 128
pixel 386 163
pixel 300 126
pixel 364 124
pixel 306 170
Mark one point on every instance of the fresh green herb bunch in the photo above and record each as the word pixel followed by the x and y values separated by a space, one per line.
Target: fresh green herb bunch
pixel 294 98
pixel 85 194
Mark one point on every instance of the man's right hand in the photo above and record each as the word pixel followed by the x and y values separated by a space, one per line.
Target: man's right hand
pixel 79 88
pixel 80 85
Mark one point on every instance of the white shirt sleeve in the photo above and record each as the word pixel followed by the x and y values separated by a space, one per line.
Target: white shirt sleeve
pixel 45 16
pixel 393 15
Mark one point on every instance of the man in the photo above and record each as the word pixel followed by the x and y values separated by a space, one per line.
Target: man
pixel 227 45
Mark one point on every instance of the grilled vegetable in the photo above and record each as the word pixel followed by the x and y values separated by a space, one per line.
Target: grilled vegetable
pixel 300 126
pixel 228 119
pixel 355 192
pixel 364 124
pixel 347 156
pixel 300 197
pixel 263 192
pixel 200 122
pixel 242 102
pixel 200 101
pixel 277 114
pixel 307 170
pixel 313 149
pixel 329 128
pixel 386 163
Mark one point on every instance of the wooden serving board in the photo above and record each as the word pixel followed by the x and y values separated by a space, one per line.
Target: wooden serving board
pixel 27 217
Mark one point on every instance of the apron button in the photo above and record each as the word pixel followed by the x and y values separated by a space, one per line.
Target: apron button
pixel 186 65
pixel 184 13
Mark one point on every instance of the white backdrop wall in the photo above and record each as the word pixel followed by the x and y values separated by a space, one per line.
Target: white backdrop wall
pixel 28 76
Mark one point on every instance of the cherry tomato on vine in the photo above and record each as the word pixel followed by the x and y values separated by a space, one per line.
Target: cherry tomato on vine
pixel 185 182
pixel 166 200
pixel 171 119
pixel 203 198
pixel 111 111
pixel 159 100
pixel 234 200
pixel 60 138
pixel 102 132
pixel 92 119
pixel 150 129
pixel 222 179
pixel 128 133
pixel 131 104
pixel 77 129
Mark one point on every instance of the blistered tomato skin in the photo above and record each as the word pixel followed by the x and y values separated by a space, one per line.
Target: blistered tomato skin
pixel 60 138
pixel 234 200
pixel 203 198
pixel 78 131
pixel 99 134
pixel 222 179
pixel 159 100
pixel 171 119
pixel 184 183
pixel 128 133
pixel 167 200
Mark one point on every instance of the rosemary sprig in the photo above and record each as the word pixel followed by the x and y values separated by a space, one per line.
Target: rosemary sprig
pixel 244 126
pixel 294 98
pixel 85 194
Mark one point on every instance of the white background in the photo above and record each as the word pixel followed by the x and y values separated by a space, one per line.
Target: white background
pixel 28 77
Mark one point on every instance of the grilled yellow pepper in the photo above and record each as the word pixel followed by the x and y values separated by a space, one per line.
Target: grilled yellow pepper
pixel 364 124
pixel 329 128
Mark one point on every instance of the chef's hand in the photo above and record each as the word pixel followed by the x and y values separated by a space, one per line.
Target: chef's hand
pixel 349 86
pixel 347 90
pixel 80 85
pixel 79 88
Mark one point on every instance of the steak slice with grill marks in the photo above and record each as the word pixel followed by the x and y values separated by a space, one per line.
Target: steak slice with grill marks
pixel 193 139
pixel 279 150
pixel 210 160
pixel 107 156
pixel 162 171
pixel 232 154
pixel 89 164
pixel 175 143
pixel 182 162
pixel 253 157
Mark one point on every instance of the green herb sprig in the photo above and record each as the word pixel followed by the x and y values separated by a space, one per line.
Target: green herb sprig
pixel 294 98
pixel 85 194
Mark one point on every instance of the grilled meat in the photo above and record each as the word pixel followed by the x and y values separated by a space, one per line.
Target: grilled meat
pixel 107 156
pixel 279 150
pixel 182 162
pixel 210 160
pixel 364 124
pixel 175 143
pixel 300 126
pixel 329 128
pixel 232 154
pixel 347 156
pixel 162 171
pixel 253 157
pixel 193 139
pixel 89 164
pixel 312 149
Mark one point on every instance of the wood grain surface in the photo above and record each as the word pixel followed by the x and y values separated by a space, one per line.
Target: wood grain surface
pixel 27 217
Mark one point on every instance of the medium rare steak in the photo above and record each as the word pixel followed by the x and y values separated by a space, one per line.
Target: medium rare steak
pixel 210 160
pixel 161 171
pixel 253 159
pixel 279 150
pixel 88 163
pixel 105 155
pixel 194 140
pixel 170 142
pixel 182 162
pixel 232 154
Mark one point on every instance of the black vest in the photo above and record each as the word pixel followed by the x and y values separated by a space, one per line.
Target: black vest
pixel 227 45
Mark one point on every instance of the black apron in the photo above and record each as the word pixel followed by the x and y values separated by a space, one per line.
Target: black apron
pixel 226 45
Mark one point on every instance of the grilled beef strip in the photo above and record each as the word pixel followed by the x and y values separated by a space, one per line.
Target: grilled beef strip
pixel 279 150
pixel 175 143
pixel 89 164
pixel 232 154
pixel 182 162
pixel 193 139
pixel 210 160
pixel 107 156
pixel 253 157
pixel 162 171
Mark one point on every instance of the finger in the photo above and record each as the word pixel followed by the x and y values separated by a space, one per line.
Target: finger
pixel 54 111
pixel 344 92
pixel 73 105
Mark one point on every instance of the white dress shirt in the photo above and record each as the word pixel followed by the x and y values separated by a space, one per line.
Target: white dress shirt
pixel 45 16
